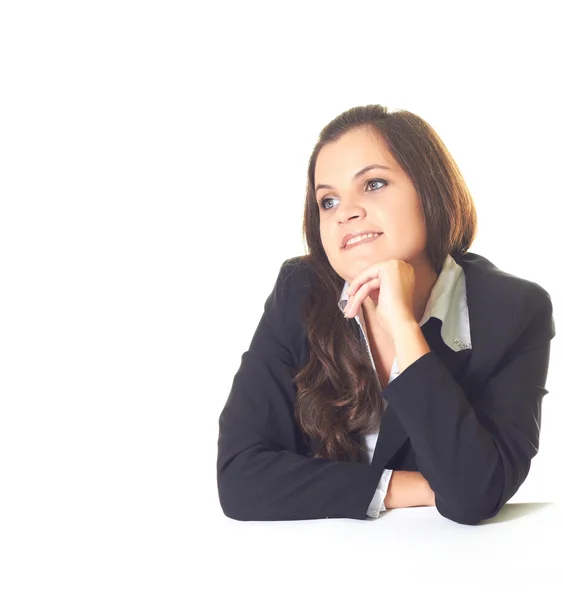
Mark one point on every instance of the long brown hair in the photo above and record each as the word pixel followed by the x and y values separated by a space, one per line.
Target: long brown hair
pixel 338 399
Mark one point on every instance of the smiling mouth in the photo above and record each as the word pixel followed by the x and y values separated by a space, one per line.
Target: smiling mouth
pixel 362 241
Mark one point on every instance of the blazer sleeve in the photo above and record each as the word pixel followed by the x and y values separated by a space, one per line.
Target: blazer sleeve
pixel 476 452
pixel 263 471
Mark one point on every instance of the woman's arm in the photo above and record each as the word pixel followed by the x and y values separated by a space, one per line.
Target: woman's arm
pixel 264 472
pixel 474 445
pixel 408 488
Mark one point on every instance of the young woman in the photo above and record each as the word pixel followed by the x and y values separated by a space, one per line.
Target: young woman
pixel 391 366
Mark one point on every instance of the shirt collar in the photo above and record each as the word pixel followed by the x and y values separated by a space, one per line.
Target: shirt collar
pixel 447 302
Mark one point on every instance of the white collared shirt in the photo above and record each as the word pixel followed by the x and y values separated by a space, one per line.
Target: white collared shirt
pixel 447 302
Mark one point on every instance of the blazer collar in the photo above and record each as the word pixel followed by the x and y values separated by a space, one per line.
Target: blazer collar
pixel 447 302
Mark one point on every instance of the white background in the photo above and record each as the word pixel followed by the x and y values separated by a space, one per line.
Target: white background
pixel 152 181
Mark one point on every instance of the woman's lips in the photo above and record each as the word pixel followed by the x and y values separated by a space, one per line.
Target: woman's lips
pixel 369 239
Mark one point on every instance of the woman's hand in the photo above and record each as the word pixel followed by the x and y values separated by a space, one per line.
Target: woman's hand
pixel 408 488
pixel 391 285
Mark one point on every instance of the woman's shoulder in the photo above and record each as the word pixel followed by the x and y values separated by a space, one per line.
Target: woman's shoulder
pixel 478 267
pixel 297 268
pixel 528 301
pixel 295 276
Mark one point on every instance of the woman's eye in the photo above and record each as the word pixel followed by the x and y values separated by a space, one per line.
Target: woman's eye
pixel 323 203
pixel 376 180
pixel 368 182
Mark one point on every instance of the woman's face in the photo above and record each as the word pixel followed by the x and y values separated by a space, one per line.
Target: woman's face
pixel 380 199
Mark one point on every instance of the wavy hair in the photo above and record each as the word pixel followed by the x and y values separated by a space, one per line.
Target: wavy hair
pixel 338 398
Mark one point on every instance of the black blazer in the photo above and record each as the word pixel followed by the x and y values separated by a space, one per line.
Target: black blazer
pixel 468 421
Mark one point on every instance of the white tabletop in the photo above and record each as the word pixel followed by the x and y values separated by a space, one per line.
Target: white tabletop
pixel 406 553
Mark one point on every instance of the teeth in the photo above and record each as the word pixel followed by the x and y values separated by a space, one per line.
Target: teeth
pixel 361 237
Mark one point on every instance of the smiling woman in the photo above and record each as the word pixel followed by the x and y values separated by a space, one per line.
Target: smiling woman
pixel 424 212
pixel 430 393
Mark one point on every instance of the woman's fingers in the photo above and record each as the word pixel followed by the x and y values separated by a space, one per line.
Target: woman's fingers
pixel 355 300
pixel 366 276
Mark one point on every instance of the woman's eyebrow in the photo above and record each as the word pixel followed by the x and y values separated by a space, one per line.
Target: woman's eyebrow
pixel 356 176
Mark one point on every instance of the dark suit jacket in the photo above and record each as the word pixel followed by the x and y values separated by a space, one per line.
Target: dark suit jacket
pixel 468 421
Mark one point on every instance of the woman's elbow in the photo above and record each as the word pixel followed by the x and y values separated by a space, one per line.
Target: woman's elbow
pixel 469 512
pixel 236 496
pixel 463 516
